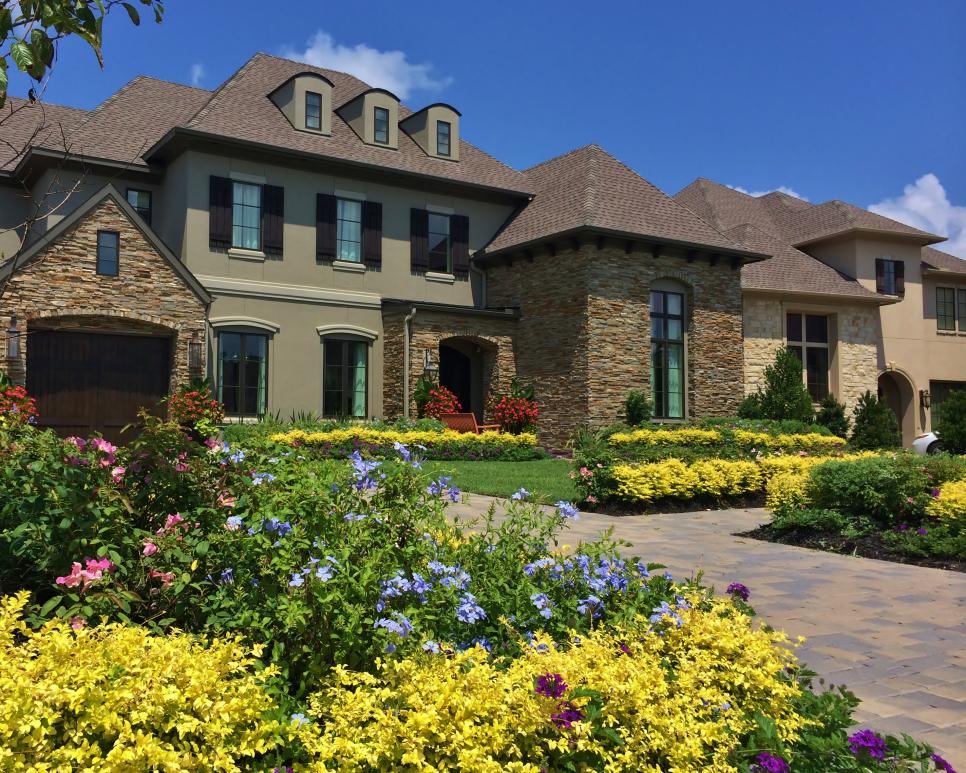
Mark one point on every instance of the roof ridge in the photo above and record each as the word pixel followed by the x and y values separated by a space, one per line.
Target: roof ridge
pixel 169 83
pixel 277 58
pixel 558 157
pixel 222 89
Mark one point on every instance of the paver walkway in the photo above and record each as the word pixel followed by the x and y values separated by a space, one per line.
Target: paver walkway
pixel 894 634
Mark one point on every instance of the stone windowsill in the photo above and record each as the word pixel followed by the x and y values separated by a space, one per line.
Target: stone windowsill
pixel 434 276
pixel 237 252
pixel 348 265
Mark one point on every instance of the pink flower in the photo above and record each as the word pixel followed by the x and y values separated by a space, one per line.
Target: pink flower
pixel 166 577
pixel 585 473
pixel 212 443
pixel 181 467
pixel 171 522
pixel 76 461
pixel 73 579
pixel 93 571
pixel 102 446
pixel 225 499
pixel 591 499
pixel 78 623
pixel 78 442
pixel 117 474
pixel 149 549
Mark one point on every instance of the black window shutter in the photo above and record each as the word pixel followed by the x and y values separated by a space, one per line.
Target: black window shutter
pixel 219 212
pixel 372 234
pixel 900 277
pixel 419 240
pixel 273 219
pixel 459 229
pixel 325 232
pixel 879 275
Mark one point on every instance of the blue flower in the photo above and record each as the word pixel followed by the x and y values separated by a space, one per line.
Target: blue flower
pixel 642 570
pixel 262 477
pixel 233 522
pixel 399 624
pixel 541 563
pixel 431 646
pixel 402 451
pixel 591 604
pixel 275 526
pixel 520 494
pixel 227 576
pixel 362 472
pixel 354 517
pixel 237 457
pixel 299 719
pixel 297 580
pixel 469 611
pixel 663 611
pixel 542 602
pixel 567 510
pixel 324 572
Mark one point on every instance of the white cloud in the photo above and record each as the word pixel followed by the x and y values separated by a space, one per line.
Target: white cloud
pixel 924 204
pixel 781 189
pixel 383 69
pixel 197 73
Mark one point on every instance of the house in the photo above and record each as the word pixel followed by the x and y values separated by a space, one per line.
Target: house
pixel 311 244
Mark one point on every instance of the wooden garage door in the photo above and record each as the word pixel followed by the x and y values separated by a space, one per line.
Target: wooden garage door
pixel 87 382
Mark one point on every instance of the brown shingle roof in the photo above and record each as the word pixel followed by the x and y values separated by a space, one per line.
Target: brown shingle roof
pixel 589 188
pixel 23 124
pixel 240 109
pixel 942 261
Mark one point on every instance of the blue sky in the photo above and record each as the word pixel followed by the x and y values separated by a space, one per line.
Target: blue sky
pixel 862 100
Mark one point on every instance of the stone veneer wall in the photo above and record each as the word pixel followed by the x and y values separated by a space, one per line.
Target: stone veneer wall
pixel 494 335
pixel 855 356
pixel 61 288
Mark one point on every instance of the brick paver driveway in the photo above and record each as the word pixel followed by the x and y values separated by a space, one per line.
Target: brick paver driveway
pixel 894 634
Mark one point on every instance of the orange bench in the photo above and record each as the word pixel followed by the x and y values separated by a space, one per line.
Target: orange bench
pixel 466 422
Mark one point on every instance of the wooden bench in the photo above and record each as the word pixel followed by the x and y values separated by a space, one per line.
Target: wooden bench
pixel 466 422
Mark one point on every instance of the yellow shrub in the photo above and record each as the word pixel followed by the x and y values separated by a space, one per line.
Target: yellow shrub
pixel 951 502
pixel 681 437
pixel 787 491
pixel 383 437
pixel 672 478
pixel 681 701
pixel 811 441
pixel 113 697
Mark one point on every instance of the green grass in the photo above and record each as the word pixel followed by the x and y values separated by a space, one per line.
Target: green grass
pixel 543 478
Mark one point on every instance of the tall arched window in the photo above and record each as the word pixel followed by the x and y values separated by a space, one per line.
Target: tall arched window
pixel 668 368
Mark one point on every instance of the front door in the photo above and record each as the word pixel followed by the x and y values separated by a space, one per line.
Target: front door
pixel 456 374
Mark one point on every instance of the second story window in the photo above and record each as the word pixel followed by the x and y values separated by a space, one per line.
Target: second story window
pixel 108 247
pixel 380 132
pixel 950 309
pixel 807 336
pixel 141 201
pixel 439 243
pixel 890 276
pixel 348 240
pixel 246 211
pixel 313 110
pixel 442 138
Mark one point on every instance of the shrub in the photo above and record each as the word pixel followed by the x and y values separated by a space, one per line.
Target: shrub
pixel 951 426
pixel 440 401
pixel 614 700
pixel 194 409
pixel 673 479
pixel 945 539
pixel 750 407
pixel 514 414
pixel 784 395
pixel 874 425
pixel 787 492
pixel 831 414
pixel 637 408
pixel 949 502
pixel 810 519
pixel 113 697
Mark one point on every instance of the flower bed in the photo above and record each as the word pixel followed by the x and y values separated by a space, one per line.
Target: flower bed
pixel 691 436
pixel 446 444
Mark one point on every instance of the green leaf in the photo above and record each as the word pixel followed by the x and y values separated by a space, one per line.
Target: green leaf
pixel 202 547
pixel 51 603
pixel 132 12
pixel 20 53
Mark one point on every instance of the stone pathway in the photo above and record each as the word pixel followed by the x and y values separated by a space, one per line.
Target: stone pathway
pixel 894 634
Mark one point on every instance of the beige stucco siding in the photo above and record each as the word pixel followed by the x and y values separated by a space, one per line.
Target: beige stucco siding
pixel 13 210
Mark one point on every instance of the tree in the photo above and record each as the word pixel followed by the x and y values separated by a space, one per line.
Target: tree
pixel 951 426
pixel 784 396
pixel 874 425
pixel 30 31
pixel 831 414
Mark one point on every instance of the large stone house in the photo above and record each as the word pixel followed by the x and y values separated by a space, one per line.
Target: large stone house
pixel 311 244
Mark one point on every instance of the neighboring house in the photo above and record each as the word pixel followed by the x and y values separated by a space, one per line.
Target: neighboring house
pixel 311 244
pixel 865 299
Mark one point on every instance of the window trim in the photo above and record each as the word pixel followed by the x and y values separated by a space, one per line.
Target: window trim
pixel 375 125
pixel 339 221
pixel 449 242
pixel 318 126
pixel 805 345
pixel 127 197
pixel 241 386
pixel 344 340
pixel 449 138
pixel 261 211
pixel 682 343
pixel 953 290
pixel 117 253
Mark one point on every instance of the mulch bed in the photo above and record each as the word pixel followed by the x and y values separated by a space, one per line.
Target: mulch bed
pixel 683 506
pixel 867 546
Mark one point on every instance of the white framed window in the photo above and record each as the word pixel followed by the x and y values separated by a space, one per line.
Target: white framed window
pixel 313 110
pixel 807 336
pixel 246 216
pixel 348 240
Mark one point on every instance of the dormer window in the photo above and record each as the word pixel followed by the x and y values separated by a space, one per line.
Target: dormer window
pixel 313 110
pixel 442 137
pixel 380 127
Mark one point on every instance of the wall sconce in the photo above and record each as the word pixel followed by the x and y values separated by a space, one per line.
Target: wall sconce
pixel 925 398
pixel 429 367
pixel 13 340
pixel 194 354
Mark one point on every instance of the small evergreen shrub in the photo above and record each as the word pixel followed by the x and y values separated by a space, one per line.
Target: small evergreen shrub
pixel 750 407
pixel 637 408
pixel 952 423
pixel 784 395
pixel 831 414
pixel 874 425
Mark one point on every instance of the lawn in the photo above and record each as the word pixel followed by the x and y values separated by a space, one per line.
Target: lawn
pixel 543 477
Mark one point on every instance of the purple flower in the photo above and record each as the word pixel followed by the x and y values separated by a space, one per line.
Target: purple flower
pixel 922 532
pixel 542 602
pixel 567 713
pixel 567 510
pixel 551 686
pixel 469 611
pixel 769 763
pixel 869 742
pixel 399 624
pixel 740 590
pixel 935 494
pixel 519 494
pixel 941 764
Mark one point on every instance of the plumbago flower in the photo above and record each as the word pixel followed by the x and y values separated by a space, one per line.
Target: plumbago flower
pixel 398 624
pixel 362 472
pixel 469 611
pixel 567 510
pixel 443 486
pixel 520 494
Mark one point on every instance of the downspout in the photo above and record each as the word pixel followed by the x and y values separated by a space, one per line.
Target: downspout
pixel 407 320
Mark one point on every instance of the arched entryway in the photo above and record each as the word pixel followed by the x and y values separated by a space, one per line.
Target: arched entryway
pixel 897 391
pixel 462 370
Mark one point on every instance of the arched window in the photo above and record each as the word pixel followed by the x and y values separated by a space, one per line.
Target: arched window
pixel 668 366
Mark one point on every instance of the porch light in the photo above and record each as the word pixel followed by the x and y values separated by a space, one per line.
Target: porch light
pixel 429 367
pixel 925 398
pixel 13 340
pixel 194 354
